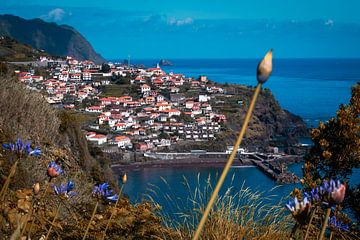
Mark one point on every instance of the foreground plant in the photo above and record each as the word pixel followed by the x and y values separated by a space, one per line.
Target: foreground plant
pixel 123 180
pixel 238 213
pixel 65 192
pixel 329 194
pixel 100 191
pixel 263 73
pixel 21 150
pixel 53 170
pixel 333 193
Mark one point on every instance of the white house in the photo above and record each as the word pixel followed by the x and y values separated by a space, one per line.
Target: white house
pixel 160 98
pixel 97 138
pixel 204 98
pixel 122 141
pixel 145 88
pixel 94 109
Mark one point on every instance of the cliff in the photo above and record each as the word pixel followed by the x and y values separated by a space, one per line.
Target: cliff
pixel 58 40
pixel 270 124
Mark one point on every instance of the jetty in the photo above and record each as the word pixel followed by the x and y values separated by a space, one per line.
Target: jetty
pixel 278 174
pixel 272 165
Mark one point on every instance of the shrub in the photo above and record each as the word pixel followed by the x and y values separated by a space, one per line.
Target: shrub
pixel 26 115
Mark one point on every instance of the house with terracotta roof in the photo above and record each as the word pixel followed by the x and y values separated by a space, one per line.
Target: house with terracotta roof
pixel 172 112
pixel 96 138
pixel 122 141
pixel 93 109
pixel 141 147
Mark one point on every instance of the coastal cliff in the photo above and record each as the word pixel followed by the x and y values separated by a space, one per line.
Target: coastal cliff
pixel 270 125
pixel 58 40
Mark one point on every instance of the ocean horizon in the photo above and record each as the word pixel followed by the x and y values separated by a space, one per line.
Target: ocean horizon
pixel 312 88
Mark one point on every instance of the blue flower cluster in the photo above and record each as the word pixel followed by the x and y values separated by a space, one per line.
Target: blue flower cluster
pixel 330 193
pixel 21 147
pixel 66 190
pixel 299 210
pixel 103 190
pixel 333 222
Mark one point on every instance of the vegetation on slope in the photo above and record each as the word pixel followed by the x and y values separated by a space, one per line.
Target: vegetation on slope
pixel 12 50
pixel 50 37
pixel 26 115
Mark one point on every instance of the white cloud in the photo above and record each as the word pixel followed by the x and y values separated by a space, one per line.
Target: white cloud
pixel 329 22
pixel 56 14
pixel 180 22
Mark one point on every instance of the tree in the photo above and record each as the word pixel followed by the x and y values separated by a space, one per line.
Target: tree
pixel 105 68
pixel 336 149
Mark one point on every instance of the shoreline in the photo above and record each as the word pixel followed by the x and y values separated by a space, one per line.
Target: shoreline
pixel 195 162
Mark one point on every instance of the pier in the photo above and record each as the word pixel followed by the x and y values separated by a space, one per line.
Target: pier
pixel 277 173
pixel 273 165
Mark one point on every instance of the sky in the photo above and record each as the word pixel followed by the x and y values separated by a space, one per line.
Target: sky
pixel 205 28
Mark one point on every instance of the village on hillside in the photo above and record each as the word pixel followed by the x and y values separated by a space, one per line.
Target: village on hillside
pixel 155 111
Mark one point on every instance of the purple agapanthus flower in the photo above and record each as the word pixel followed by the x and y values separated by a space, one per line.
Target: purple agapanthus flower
pixel 66 190
pixel 22 148
pixel 300 210
pixel 329 193
pixel 103 190
pixel 313 196
pixel 333 192
pixel 334 223
pixel 54 170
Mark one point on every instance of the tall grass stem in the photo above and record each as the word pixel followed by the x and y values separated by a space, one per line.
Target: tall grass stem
pixel 113 212
pixel 92 217
pixel 8 179
pixel 228 164
pixel 53 221
pixel 322 233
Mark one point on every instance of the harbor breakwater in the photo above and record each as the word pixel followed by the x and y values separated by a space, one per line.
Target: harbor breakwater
pixel 272 165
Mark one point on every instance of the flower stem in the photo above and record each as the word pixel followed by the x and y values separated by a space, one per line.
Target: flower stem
pixel 113 212
pixel 28 217
pixel 8 179
pixel 227 166
pixel 322 233
pixel 92 217
pixel 309 225
pixel 46 188
pixel 53 221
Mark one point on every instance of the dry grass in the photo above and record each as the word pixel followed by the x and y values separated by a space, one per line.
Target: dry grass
pixel 244 214
pixel 26 115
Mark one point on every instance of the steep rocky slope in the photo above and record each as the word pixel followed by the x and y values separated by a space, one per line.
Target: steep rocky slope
pixel 59 40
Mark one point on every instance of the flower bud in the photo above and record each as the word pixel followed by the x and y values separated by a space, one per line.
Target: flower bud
pixel 36 188
pixel 338 194
pixel 52 172
pixel 265 68
pixel 124 179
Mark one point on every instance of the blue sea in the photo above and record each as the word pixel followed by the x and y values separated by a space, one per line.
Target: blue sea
pixel 310 88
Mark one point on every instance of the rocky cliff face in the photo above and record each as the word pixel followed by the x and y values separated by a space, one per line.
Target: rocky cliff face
pixel 270 124
pixel 59 40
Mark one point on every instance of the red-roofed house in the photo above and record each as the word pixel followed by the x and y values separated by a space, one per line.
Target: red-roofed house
pixel 122 141
pixel 172 112
pixel 94 109
pixel 97 138
pixel 145 88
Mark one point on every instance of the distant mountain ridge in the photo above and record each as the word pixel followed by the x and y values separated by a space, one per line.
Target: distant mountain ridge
pixel 59 40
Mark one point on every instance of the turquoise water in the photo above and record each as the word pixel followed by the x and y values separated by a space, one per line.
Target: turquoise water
pixel 142 182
